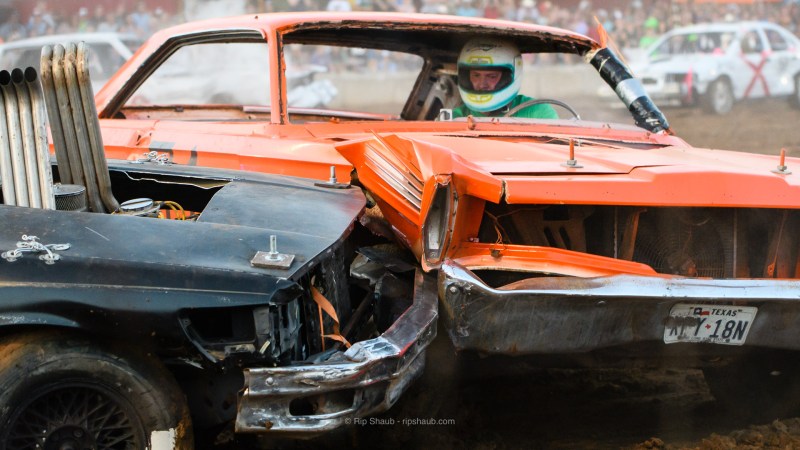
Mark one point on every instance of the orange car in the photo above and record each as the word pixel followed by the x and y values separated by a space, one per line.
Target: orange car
pixel 582 241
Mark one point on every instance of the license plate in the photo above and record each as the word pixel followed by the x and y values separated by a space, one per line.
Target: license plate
pixel 714 324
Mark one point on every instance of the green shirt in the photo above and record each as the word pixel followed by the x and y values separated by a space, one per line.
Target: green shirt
pixel 540 111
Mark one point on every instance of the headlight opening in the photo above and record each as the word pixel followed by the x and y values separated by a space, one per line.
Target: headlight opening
pixel 438 222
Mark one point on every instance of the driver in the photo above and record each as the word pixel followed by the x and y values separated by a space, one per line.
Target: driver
pixel 489 78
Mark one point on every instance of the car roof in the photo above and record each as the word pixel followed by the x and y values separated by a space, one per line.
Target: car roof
pixel 711 27
pixel 395 31
pixel 431 36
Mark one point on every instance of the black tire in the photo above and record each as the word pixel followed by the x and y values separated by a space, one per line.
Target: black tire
pixel 762 388
pixel 719 97
pixel 60 391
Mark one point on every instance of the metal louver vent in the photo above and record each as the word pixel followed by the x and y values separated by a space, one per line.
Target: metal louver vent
pixel 397 170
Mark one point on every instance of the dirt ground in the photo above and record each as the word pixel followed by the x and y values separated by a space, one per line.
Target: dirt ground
pixel 763 126
pixel 495 403
pixel 505 403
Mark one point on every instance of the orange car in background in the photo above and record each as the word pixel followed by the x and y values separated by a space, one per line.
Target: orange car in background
pixel 582 242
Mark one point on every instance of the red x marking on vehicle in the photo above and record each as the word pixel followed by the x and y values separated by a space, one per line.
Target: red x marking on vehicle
pixel 688 80
pixel 757 74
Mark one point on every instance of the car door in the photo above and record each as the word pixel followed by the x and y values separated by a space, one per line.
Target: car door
pixel 781 63
pixel 164 112
pixel 206 100
pixel 751 81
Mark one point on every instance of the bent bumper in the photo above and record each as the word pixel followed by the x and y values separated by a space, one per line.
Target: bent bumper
pixel 571 315
pixel 366 379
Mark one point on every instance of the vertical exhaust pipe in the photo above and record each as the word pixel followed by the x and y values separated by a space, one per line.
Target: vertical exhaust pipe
pixel 24 158
pixel 93 128
pixel 61 107
pixel 70 102
pixel 79 126
pixel 6 167
pixel 14 140
pixel 54 118
pixel 40 138
pixel 28 139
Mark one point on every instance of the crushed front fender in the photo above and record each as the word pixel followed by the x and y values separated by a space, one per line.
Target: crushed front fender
pixel 368 378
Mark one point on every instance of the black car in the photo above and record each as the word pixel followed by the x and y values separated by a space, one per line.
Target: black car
pixel 140 299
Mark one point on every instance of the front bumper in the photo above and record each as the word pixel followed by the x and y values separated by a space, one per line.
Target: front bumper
pixel 571 315
pixel 675 92
pixel 366 379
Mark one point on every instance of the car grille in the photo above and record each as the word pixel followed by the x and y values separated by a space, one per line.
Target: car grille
pixel 678 77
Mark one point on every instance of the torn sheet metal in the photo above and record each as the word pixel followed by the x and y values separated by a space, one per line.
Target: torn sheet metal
pixel 368 378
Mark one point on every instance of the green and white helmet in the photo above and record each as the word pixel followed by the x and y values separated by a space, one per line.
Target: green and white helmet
pixel 489 54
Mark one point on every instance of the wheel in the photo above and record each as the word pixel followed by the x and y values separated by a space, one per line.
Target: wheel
pixel 763 387
pixel 62 392
pixel 719 97
pixel 538 101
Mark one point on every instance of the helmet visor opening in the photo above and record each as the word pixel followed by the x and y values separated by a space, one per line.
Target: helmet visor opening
pixel 484 78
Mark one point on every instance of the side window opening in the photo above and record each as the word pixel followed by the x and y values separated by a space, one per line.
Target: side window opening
pixel 776 42
pixel 751 42
pixel 211 73
pixel 349 79
pixel 104 60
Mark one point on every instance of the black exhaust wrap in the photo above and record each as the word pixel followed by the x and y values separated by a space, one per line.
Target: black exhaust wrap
pixel 645 113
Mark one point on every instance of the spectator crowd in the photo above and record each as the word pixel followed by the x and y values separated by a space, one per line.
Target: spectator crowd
pixel 42 20
pixel 634 25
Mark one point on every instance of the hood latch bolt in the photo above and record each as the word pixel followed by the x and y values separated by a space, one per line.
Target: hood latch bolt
pixel 782 169
pixel 572 163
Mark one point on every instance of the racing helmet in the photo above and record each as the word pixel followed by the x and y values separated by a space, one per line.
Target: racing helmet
pixel 489 54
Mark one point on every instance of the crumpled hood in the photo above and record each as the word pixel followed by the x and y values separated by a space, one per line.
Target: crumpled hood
pixel 640 169
pixel 500 155
pixel 633 173
pixel 211 253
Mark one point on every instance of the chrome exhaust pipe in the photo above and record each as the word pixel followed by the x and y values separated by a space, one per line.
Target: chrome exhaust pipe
pixel 28 139
pixel 24 157
pixel 61 107
pixel 11 105
pixel 79 126
pixel 44 167
pixel 70 102
pixel 93 128
pixel 6 168
pixel 65 174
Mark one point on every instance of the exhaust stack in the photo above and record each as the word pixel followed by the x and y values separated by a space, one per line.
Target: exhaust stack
pixel 25 174
pixel 74 124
